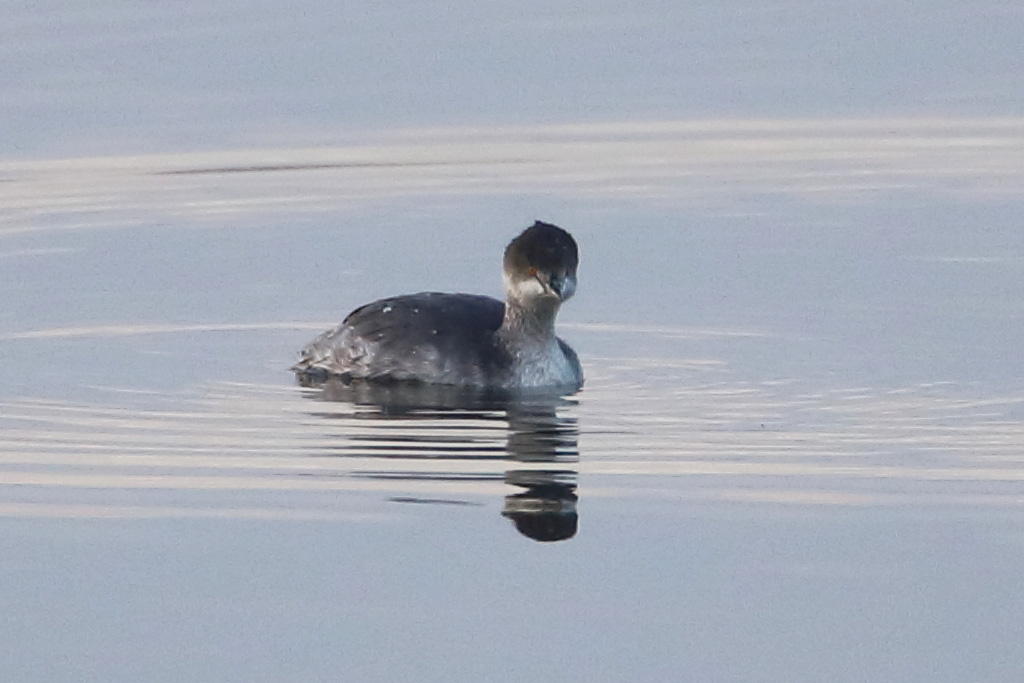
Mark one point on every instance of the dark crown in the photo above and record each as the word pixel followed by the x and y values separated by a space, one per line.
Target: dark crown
pixel 542 246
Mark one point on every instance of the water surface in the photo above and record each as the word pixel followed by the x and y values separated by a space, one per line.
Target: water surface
pixel 797 455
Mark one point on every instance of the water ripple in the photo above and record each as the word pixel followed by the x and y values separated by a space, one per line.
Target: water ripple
pixel 771 443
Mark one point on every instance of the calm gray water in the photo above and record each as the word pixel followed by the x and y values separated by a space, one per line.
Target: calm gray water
pixel 798 455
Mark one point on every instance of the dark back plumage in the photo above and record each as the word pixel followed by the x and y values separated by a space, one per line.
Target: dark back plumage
pixel 419 318
pixel 416 336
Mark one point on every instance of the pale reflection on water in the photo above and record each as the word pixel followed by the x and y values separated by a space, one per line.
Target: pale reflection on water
pixel 640 431
pixel 451 424
pixel 407 445
pixel 704 163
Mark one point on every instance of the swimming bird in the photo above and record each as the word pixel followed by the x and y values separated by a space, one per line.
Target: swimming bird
pixel 464 340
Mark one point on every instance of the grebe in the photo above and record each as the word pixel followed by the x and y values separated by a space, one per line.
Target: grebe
pixel 464 339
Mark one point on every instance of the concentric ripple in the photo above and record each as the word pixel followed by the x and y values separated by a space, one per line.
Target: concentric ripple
pixel 237 449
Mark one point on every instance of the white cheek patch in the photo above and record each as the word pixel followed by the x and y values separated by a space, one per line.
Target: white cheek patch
pixel 530 288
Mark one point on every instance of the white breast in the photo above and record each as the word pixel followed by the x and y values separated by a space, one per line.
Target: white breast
pixel 542 366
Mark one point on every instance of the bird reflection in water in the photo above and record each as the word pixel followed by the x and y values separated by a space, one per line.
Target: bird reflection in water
pixel 532 433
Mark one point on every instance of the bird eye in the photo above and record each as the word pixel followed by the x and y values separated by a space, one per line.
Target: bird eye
pixel 532 271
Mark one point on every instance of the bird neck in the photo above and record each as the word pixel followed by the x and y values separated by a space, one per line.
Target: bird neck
pixel 534 320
